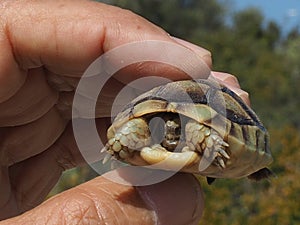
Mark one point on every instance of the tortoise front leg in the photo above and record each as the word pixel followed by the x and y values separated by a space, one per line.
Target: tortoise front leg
pixel 132 136
pixel 208 143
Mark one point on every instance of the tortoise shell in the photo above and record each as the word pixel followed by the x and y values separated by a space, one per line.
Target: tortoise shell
pixel 205 128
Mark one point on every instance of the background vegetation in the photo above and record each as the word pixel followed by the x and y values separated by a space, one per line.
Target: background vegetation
pixel 267 64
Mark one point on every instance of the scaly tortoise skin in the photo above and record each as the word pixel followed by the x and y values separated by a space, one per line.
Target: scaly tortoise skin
pixel 204 128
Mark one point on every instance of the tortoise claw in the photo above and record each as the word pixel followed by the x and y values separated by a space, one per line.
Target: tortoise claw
pixel 223 153
pixel 221 162
pixel 106 158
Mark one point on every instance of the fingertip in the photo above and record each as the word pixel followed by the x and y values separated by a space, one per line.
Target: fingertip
pixel 241 93
pixel 226 78
pixel 231 82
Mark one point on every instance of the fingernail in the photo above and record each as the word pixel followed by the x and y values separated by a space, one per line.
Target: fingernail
pixel 202 52
pixel 241 93
pixel 226 78
pixel 177 201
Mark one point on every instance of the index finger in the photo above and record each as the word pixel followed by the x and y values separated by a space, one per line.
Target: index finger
pixel 65 36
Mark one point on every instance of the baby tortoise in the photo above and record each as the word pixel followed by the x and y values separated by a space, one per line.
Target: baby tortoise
pixel 199 127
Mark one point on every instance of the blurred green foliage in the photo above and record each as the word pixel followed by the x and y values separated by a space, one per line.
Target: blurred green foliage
pixel 267 64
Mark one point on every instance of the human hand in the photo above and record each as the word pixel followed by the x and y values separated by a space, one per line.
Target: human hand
pixel 45 48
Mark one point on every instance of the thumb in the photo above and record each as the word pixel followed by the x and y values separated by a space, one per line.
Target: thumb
pixel 177 200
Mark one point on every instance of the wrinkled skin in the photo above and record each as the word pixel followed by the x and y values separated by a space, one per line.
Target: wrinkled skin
pixel 45 47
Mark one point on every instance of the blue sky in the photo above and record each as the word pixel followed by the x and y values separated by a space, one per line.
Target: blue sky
pixel 285 12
